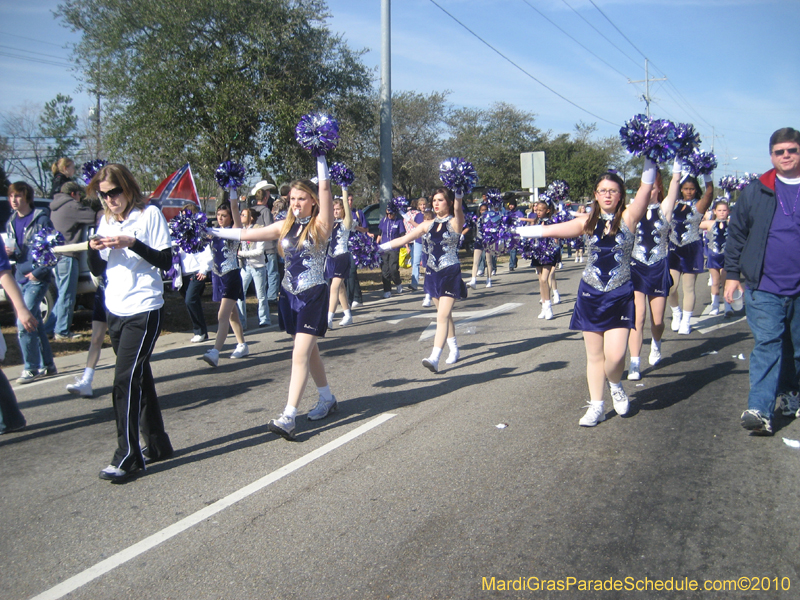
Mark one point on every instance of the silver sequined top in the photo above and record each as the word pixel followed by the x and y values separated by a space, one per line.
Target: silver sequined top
pixel 441 244
pixel 685 224
pixel 339 239
pixel 226 256
pixel 718 237
pixel 652 237
pixel 305 266
pixel 608 264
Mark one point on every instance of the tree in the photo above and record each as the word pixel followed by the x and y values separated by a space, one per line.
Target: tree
pixel 211 80
pixel 492 140
pixel 26 148
pixel 59 124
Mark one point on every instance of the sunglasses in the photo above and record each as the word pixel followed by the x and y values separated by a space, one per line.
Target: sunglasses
pixel 780 152
pixel 110 193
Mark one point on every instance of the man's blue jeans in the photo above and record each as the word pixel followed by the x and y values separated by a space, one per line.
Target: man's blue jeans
pixel 273 277
pixel 258 275
pixel 770 318
pixel 416 257
pixel 66 270
pixel 35 347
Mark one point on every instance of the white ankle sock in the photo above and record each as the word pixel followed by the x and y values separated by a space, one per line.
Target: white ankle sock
pixel 435 354
pixel 88 375
pixel 452 343
pixel 330 316
pixel 656 344
pixel 687 315
pixel 635 360
pixel 547 304
pixel 290 411
pixel 347 312
pixel 325 392
pixel 615 386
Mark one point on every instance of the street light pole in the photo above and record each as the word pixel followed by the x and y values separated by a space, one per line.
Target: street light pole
pixel 386 104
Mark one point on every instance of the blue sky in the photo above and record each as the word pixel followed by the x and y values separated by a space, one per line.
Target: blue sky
pixel 731 70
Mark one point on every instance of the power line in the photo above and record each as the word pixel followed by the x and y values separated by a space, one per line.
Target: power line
pixel 601 33
pixel 544 85
pixel 7 34
pixel 575 40
pixel 36 60
pixel 31 52
pixel 618 29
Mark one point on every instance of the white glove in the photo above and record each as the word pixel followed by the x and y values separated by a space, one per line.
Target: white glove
pixel 459 195
pixel 677 165
pixel 323 174
pixel 385 247
pixel 649 172
pixel 530 231
pixel 226 233
pixel 707 178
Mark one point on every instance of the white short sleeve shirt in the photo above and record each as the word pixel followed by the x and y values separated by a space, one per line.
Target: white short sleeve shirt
pixel 134 285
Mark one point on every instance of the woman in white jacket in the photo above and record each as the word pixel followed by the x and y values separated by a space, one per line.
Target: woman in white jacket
pixel 255 270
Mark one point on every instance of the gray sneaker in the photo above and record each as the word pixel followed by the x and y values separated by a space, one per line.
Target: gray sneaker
pixel 754 421
pixel 323 409
pixel 28 376
pixel 282 426
pixel 48 371
pixel 788 403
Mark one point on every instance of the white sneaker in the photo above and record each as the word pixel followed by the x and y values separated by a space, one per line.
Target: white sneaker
pixel 283 426
pixel 347 320
pixel 400 289
pixel 494 272
pixel 323 409
pixel 633 372
pixel 355 303
pixel 212 357
pixel 655 355
pixel 480 274
pixel 453 357
pixel 559 265
pixel 676 320
pixel 80 388
pixel 472 284
pixel 431 365
pixel 241 351
pixel 387 295
pixel 556 298
pixel 714 310
pixel 594 415
pixel 685 327
pixel 621 402
pixel 426 302
pixel 330 323
pixel 199 338
pixel 488 283
pixel 547 313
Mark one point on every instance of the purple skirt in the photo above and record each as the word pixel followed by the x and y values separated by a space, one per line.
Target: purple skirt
pixel 99 309
pixel 446 282
pixel 337 266
pixel 688 258
pixel 306 312
pixel 715 261
pixel 228 286
pixel 651 280
pixel 601 311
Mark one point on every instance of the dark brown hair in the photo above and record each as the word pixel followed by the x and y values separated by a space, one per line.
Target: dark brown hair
pixel 591 222
pixel 449 196
pixel 783 135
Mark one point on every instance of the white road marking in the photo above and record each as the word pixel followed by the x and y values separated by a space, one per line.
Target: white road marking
pixel 103 567
pixel 462 318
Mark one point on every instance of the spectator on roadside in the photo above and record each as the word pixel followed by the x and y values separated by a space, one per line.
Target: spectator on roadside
pixel 63 172
pixel 391 227
pixel 195 272
pixel 764 227
pixel 70 215
pixel 11 418
pixel 512 210
pixel 23 224
pixel 263 208
pixel 351 283
pixel 254 270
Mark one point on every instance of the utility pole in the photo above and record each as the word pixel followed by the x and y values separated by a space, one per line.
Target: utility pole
pixel 646 82
pixel 386 104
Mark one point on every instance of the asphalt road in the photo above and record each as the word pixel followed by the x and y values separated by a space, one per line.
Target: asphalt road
pixel 411 490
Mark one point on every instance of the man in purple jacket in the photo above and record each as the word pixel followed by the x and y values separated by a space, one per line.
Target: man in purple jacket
pixel 763 240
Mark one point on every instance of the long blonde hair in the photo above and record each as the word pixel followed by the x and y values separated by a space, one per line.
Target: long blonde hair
pixel 61 165
pixel 120 176
pixel 313 230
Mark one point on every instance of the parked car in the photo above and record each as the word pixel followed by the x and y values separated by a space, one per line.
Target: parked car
pixel 86 285
pixel 372 214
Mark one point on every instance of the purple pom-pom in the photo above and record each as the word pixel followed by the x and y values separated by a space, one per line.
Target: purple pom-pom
pixel 341 175
pixel 687 139
pixel 700 162
pixel 745 180
pixel 458 175
pixel 728 183
pixel 229 175
pixel 189 231
pixel 318 133
pixel 398 205
pixel 364 250
pixel 498 231
pixel 42 247
pixel 558 190
pixel 494 196
pixel 90 169
pixel 653 138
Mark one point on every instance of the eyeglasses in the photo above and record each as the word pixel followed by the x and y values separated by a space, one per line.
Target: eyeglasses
pixel 110 193
pixel 780 152
pixel 609 192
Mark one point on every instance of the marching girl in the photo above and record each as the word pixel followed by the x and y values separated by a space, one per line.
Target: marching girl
pixel 226 285
pixel 479 251
pixel 132 247
pixel 686 256
pixel 337 265
pixel 443 271
pixel 717 232
pixel 650 270
pixel 302 306
pixel 604 310
pixel 546 254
